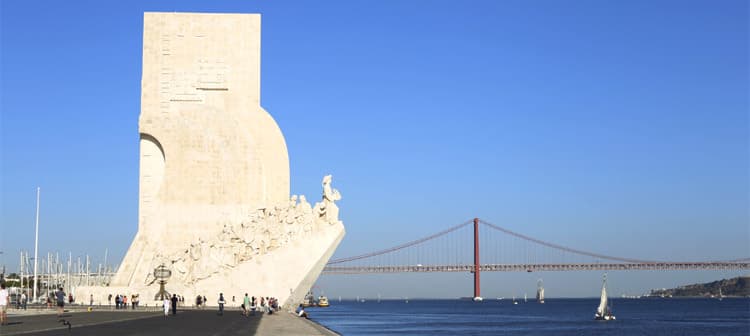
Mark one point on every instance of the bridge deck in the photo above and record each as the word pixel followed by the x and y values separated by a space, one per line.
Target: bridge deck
pixel 541 267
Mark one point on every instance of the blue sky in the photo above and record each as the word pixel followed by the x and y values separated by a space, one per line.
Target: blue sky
pixel 615 127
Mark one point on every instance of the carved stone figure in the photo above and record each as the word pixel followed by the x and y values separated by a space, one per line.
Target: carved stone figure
pixel 327 211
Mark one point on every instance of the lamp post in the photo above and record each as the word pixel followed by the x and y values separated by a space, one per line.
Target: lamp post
pixel 36 241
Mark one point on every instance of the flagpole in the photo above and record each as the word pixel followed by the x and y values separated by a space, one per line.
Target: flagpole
pixel 36 244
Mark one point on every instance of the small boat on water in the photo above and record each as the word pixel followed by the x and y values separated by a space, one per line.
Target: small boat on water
pixel 539 291
pixel 309 300
pixel 323 301
pixel 477 299
pixel 604 311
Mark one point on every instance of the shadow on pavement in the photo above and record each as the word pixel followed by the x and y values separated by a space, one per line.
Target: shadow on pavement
pixel 191 322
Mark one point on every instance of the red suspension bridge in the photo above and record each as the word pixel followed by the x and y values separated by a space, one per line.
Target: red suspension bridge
pixel 502 250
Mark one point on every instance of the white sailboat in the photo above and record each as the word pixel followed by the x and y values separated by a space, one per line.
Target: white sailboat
pixel 525 298
pixel 721 296
pixel 604 312
pixel 540 291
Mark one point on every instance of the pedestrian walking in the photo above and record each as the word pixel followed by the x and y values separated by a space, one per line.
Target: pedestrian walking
pixel 246 305
pixel 4 303
pixel 174 304
pixel 60 295
pixel 221 304
pixel 24 299
pixel 166 306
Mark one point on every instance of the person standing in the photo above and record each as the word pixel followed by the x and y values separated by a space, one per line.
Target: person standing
pixel 174 304
pixel 23 300
pixel 60 301
pixel 4 303
pixel 109 300
pixel 91 300
pixel 165 302
pixel 221 304
pixel 246 305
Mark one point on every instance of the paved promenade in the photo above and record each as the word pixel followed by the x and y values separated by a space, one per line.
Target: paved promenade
pixel 151 323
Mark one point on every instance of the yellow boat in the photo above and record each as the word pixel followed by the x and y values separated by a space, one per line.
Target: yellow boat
pixel 323 301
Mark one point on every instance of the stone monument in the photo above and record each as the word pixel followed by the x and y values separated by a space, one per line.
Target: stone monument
pixel 214 204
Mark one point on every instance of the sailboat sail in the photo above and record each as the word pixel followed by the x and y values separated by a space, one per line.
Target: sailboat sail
pixel 540 292
pixel 541 295
pixel 602 309
pixel 603 312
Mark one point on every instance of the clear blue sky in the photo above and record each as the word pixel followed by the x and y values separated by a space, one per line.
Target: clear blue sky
pixel 619 127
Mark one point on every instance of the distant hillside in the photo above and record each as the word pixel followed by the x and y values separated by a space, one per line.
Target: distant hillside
pixel 739 286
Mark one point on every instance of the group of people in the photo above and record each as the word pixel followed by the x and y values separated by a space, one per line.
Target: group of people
pixel 249 306
pixel 265 304
pixel 121 301
pixel 200 301
pixel 170 303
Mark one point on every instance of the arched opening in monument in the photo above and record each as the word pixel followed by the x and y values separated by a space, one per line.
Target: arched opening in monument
pixel 152 165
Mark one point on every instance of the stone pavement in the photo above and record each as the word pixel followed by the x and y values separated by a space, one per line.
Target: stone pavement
pixel 187 322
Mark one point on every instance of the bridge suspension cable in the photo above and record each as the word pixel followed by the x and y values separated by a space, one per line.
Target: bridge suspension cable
pixel 591 254
pixel 529 264
pixel 402 246
pixel 563 248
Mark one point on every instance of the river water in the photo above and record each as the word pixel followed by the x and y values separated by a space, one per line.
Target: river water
pixel 651 316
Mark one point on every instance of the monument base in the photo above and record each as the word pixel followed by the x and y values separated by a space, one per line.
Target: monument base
pixel 286 274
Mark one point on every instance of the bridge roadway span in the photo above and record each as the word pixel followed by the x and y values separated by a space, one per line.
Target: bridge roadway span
pixel 722 265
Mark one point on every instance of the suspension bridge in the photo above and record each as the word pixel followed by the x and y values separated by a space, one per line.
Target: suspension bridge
pixel 457 249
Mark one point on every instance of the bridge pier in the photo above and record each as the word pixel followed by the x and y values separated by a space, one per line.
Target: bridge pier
pixel 476 259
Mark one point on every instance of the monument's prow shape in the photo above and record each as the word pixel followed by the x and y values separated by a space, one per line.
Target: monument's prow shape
pixel 214 203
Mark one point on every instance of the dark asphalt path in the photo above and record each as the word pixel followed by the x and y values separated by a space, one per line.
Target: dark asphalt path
pixel 190 322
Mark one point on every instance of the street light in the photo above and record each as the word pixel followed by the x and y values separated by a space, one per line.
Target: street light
pixel 36 241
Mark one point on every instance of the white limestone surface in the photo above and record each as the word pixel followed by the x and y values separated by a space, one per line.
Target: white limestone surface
pixel 214 203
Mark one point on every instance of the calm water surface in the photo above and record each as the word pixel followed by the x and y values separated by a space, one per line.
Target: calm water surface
pixel 730 316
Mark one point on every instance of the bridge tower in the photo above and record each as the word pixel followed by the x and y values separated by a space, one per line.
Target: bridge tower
pixel 476 259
